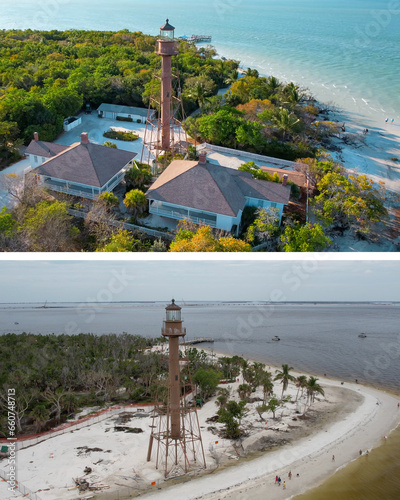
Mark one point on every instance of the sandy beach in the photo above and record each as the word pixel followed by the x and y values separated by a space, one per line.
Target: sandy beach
pixel 350 417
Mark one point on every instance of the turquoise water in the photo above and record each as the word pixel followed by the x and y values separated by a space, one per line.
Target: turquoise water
pixel 346 52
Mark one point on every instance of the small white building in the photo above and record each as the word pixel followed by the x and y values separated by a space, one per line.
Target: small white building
pixel 40 151
pixel 72 122
pixel 85 169
pixel 114 110
pixel 212 194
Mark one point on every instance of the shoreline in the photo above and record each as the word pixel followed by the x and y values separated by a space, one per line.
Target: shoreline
pixel 254 479
pixel 338 424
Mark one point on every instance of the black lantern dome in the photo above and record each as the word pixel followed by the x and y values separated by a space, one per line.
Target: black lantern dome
pixel 167 31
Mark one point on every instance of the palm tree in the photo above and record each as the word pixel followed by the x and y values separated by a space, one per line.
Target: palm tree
pixel 198 94
pixel 136 202
pixel 284 376
pixel 285 121
pixel 313 388
pixel 267 385
pixel 244 391
pixel 301 383
pixel 220 67
pixel 292 95
pixel 231 77
pixel 273 85
pixel 258 373
pixel 252 72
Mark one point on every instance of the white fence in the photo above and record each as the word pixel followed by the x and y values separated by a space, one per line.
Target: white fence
pixel 67 427
pixel 21 488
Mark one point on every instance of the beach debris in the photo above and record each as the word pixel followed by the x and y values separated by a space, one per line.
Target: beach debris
pixel 133 430
pixel 83 485
pixel 87 470
pixel 212 419
pixel 141 414
pixel 123 418
pixel 86 450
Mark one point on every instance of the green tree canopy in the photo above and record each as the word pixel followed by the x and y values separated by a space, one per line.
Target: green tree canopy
pixel 204 241
pixel 351 200
pixel 307 238
pixel 135 200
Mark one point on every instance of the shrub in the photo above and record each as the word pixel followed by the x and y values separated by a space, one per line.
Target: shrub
pixel 124 119
pixel 121 136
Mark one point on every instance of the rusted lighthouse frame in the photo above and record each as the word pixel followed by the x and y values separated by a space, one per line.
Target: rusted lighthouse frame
pixel 176 426
pixel 165 134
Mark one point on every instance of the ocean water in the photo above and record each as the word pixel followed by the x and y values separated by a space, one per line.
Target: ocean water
pixel 346 52
pixel 372 477
pixel 315 338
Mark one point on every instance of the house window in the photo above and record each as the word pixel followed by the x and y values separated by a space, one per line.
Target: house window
pixel 35 159
pixel 273 205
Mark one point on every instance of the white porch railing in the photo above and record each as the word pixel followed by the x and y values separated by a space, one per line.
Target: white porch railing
pixel 73 192
pixel 127 225
pixel 178 215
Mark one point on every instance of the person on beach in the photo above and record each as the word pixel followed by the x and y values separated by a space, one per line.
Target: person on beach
pixel 276 479
pixel 284 485
pixel 279 481
pixel 387 119
pixel 333 458
pixel 343 128
pixel 290 474
pixel 360 452
pixel 367 452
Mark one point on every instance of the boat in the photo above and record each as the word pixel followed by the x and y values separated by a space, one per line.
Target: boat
pixel 362 335
pixel 276 338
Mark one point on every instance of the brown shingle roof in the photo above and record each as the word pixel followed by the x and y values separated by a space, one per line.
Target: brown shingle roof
pixel 297 177
pixel 213 188
pixel 89 164
pixel 45 149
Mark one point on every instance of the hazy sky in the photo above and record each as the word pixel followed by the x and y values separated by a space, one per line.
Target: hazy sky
pixel 110 280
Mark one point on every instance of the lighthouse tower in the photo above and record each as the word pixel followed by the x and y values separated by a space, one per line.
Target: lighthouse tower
pixel 166 134
pixel 173 330
pixel 175 423
pixel 166 48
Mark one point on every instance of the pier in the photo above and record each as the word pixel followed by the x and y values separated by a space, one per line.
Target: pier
pixel 196 38
pixel 199 340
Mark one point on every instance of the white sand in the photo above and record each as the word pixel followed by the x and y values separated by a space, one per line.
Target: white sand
pixel 50 466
